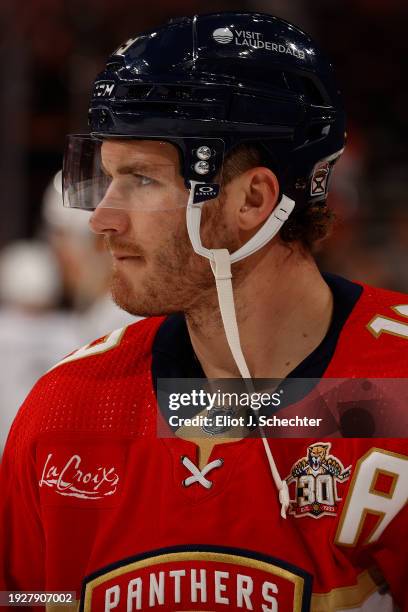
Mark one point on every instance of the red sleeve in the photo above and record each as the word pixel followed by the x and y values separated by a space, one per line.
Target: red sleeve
pixel 22 547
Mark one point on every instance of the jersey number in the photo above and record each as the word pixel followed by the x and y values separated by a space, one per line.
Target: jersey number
pixel 381 324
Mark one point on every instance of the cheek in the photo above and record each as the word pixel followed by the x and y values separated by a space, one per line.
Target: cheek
pixel 217 229
pixel 149 227
pixel 162 231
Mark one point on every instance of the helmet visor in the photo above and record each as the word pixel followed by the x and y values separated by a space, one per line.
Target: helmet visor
pixel 122 173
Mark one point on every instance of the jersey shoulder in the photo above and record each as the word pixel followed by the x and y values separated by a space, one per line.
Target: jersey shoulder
pixel 375 298
pixel 126 347
pixel 104 386
pixel 374 339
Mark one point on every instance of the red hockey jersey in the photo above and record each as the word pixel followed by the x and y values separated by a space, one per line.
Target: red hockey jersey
pixel 92 501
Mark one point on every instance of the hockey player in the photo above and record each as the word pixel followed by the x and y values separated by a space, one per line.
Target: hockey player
pixel 211 146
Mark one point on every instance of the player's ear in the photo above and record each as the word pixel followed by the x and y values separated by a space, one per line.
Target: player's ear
pixel 258 193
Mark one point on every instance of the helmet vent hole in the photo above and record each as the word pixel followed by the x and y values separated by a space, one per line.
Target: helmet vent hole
pixel 312 93
pixel 138 92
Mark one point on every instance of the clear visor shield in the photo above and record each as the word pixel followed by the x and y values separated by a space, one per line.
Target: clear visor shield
pixel 122 173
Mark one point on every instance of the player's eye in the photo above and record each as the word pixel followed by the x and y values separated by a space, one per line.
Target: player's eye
pixel 143 180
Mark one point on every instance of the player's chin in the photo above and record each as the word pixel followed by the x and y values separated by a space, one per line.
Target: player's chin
pixel 126 301
pixel 133 297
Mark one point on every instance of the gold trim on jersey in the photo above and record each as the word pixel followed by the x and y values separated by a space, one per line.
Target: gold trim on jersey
pixel 344 598
pixel 378 472
pixel 214 557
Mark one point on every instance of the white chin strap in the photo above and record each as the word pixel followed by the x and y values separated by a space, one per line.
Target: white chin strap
pixel 221 260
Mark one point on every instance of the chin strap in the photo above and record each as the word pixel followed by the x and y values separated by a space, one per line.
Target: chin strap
pixel 221 267
pixel 221 260
pixel 269 229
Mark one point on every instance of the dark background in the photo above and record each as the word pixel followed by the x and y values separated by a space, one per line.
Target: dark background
pixel 52 49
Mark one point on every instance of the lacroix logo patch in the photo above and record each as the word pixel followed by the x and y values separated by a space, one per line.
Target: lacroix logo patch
pixel 73 479
pixel 79 474
pixel 196 578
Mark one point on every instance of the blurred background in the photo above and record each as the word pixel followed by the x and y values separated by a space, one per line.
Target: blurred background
pixel 54 275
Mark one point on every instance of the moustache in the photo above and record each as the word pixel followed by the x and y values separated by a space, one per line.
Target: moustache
pixel 122 246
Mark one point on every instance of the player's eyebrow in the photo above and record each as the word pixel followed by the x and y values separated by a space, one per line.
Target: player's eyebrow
pixel 131 167
pixel 151 169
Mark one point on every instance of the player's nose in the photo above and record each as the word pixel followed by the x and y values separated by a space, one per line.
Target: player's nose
pixel 106 220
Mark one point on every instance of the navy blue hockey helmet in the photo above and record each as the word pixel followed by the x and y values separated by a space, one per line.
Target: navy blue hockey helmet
pixel 212 82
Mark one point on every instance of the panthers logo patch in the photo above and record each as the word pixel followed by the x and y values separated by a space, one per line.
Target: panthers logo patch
pixel 196 578
pixel 315 480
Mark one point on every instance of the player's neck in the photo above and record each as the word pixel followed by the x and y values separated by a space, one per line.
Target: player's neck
pixel 285 290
